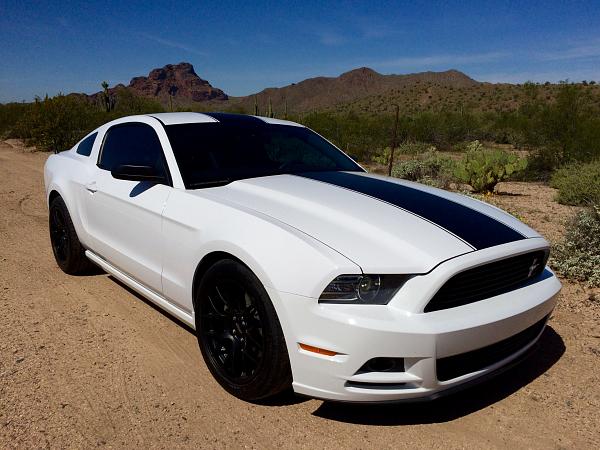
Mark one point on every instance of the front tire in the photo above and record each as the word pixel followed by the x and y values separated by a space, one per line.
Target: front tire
pixel 239 333
pixel 68 251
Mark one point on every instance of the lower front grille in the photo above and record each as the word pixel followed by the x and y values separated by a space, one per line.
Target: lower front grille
pixel 458 365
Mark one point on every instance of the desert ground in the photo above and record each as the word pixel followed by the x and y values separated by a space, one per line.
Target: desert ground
pixel 85 363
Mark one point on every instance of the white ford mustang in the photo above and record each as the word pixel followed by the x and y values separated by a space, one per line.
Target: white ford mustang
pixel 295 266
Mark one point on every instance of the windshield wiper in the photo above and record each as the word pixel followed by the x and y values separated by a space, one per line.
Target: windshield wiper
pixel 209 183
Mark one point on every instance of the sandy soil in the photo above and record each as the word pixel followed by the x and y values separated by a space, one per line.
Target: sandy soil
pixel 84 362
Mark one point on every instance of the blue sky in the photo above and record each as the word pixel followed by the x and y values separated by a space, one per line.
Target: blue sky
pixel 243 47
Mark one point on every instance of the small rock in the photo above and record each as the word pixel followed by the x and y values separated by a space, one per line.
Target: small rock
pixel 20 359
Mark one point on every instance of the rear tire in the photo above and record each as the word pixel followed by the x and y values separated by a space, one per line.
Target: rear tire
pixel 239 333
pixel 68 251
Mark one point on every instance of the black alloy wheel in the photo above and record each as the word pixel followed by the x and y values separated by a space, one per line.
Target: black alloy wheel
pixel 59 235
pixel 239 333
pixel 232 328
pixel 68 251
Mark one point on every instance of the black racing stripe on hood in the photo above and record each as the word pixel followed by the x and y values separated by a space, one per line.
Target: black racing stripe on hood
pixel 477 229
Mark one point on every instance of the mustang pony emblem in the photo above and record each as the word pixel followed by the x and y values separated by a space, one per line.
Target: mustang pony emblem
pixel 533 268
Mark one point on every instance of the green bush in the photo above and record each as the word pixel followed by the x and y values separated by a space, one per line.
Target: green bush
pixel 405 148
pixel 57 123
pixel 482 169
pixel 414 148
pixel 474 146
pixel 578 256
pixel 382 157
pixel 577 184
pixel 431 168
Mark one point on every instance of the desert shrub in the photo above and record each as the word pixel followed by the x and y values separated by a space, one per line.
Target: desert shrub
pixel 541 164
pixel 482 169
pixel 414 148
pixel 474 146
pixel 127 103
pixel 10 114
pixel 430 168
pixel 381 157
pixel 461 146
pixel 405 148
pixel 57 123
pixel 578 256
pixel 577 184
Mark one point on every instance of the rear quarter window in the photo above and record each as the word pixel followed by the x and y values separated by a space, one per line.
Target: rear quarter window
pixel 85 147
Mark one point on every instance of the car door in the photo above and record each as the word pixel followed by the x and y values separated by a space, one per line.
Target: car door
pixel 124 217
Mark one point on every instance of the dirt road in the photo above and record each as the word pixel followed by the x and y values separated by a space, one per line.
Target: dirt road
pixel 84 363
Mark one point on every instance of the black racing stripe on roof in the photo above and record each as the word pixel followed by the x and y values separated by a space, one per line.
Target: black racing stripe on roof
pixel 236 119
pixel 161 122
pixel 477 229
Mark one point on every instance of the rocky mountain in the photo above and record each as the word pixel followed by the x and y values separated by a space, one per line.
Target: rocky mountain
pixel 176 82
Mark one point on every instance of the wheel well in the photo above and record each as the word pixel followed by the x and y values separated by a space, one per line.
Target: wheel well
pixel 52 196
pixel 205 264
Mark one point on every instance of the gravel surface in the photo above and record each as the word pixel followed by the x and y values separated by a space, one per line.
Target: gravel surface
pixel 84 363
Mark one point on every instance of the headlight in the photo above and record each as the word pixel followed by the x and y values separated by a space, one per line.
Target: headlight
pixel 363 289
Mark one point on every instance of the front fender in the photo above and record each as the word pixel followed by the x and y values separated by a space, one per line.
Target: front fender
pixel 282 257
pixel 64 174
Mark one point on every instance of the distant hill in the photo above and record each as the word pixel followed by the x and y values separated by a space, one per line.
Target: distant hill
pixel 326 92
pixel 433 96
pixel 361 90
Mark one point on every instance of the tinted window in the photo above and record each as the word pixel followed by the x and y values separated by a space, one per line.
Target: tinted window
pixel 210 154
pixel 132 144
pixel 85 147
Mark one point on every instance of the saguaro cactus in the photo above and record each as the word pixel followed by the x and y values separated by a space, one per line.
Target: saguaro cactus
pixel 107 100
pixel 172 92
pixel 270 110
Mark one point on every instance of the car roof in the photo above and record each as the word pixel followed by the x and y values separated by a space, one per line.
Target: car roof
pixel 176 118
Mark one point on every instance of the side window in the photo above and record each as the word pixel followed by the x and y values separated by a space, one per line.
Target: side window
pixel 85 147
pixel 132 144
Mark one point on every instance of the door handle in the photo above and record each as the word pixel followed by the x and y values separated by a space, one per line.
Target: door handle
pixel 91 187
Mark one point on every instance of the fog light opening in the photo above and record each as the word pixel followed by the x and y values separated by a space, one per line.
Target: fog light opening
pixel 383 365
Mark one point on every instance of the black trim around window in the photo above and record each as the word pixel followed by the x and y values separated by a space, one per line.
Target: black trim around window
pixel 88 150
pixel 139 124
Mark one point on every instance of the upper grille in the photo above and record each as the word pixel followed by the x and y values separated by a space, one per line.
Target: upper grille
pixel 488 280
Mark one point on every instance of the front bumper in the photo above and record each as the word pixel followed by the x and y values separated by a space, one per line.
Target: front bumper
pixel 358 333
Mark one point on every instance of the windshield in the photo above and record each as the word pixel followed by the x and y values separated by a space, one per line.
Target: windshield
pixel 213 154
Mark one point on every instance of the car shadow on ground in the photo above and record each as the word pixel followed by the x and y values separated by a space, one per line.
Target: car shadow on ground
pixel 286 398
pixel 548 351
pixel 550 348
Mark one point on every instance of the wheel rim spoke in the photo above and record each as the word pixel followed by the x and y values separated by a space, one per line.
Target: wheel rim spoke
pixel 58 235
pixel 221 297
pixel 232 328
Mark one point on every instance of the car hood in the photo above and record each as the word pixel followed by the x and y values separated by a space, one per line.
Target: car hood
pixel 382 224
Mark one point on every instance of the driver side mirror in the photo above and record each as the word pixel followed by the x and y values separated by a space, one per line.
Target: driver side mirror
pixel 138 173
